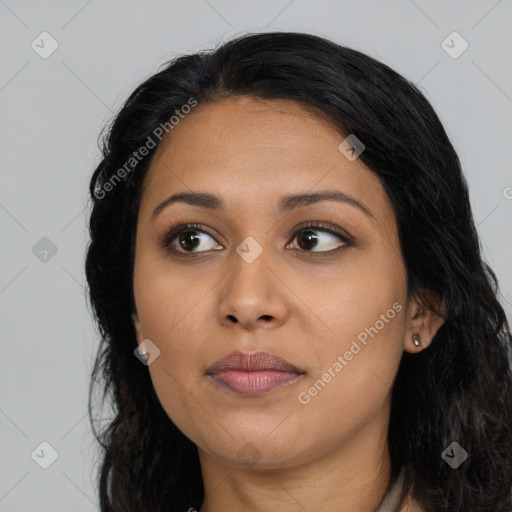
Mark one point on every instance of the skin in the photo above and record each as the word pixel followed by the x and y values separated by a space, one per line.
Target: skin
pixel 300 303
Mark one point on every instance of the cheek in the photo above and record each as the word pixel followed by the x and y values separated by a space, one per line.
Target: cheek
pixel 361 314
pixel 365 292
pixel 354 378
pixel 168 309
pixel 175 373
pixel 170 319
pixel 168 301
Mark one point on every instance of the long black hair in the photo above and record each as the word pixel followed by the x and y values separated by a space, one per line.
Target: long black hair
pixel 459 389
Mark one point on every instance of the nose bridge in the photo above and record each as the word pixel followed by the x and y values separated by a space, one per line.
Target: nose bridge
pixel 249 262
pixel 251 290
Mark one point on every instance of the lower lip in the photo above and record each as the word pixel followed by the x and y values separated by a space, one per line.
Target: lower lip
pixel 253 383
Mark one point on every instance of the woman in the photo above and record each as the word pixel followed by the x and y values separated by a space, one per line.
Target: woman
pixel 293 306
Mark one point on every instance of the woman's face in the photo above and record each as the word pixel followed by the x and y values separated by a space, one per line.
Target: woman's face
pixel 256 279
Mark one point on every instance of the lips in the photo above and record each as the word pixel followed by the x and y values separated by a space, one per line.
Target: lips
pixel 253 374
pixel 253 362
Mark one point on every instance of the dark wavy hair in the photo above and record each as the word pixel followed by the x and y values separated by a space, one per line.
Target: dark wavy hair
pixel 458 389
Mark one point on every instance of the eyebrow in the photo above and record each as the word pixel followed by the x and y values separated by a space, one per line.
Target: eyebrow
pixel 286 203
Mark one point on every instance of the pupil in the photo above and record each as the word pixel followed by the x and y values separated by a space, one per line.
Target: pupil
pixel 188 234
pixel 309 237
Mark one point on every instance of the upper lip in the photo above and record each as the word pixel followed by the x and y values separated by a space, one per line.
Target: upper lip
pixel 253 362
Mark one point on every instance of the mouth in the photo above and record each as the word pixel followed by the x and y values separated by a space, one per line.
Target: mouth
pixel 253 374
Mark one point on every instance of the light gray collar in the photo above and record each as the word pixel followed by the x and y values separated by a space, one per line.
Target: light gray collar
pixel 390 501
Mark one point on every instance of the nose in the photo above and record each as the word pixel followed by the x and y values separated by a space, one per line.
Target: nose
pixel 252 295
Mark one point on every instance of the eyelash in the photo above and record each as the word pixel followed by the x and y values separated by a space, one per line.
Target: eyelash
pixel 320 226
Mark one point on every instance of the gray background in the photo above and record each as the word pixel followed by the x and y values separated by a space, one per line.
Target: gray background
pixel 52 111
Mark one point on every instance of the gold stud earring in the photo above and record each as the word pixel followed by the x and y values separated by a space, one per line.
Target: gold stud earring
pixel 416 339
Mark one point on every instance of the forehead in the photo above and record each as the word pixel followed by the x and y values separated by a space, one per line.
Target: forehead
pixel 244 148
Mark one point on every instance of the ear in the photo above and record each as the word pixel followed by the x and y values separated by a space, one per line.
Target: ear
pixel 422 321
pixel 138 328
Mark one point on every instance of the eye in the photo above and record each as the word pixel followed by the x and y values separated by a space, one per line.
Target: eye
pixel 188 238
pixel 308 239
